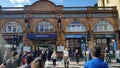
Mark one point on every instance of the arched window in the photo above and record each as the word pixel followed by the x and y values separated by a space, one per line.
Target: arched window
pixel 11 27
pixel 103 26
pixel 75 27
pixel 44 27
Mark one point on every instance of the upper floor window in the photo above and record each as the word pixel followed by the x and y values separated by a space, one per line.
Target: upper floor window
pixel 75 27
pixel 103 26
pixel 11 27
pixel 44 27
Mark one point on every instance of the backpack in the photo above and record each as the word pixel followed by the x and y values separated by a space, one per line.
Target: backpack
pixel 23 60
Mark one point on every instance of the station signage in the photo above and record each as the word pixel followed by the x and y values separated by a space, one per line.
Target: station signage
pixel 74 35
pixel 35 36
pixel 104 35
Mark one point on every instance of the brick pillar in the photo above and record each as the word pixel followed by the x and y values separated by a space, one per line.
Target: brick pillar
pixel 117 41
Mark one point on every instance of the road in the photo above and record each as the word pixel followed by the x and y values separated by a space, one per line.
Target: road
pixel 72 64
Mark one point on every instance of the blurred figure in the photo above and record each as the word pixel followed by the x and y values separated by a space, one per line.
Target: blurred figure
pixel 77 56
pixel 20 58
pixel 38 63
pixel 96 62
pixel 2 66
pixel 35 53
pixel 54 57
pixel 12 62
pixel 66 58
pixel 7 55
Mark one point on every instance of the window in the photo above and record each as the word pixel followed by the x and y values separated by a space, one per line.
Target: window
pixel 75 27
pixel 103 26
pixel 11 27
pixel 44 27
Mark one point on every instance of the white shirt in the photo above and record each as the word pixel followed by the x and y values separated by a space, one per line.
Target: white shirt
pixel 66 53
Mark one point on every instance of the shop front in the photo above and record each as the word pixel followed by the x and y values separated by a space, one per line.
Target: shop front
pixel 12 40
pixel 43 41
pixel 105 40
pixel 75 41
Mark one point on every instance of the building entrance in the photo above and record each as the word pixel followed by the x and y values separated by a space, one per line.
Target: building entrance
pixel 106 42
pixel 74 44
pixel 44 44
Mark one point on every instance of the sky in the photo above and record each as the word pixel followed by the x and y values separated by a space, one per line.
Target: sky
pixel 66 3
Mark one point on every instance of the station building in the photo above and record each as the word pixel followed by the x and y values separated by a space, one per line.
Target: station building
pixel 47 25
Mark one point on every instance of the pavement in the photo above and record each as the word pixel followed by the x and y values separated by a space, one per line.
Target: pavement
pixel 72 64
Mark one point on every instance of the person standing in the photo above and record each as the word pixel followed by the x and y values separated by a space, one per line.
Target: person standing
pixel 77 56
pixel 95 62
pixel 107 55
pixel 54 57
pixel 66 57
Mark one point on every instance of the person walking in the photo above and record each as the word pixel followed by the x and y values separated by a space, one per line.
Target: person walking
pixel 66 58
pixel 43 56
pixel 54 57
pixel 95 62
pixel 77 56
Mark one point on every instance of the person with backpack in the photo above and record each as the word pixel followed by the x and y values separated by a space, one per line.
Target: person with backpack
pixel 29 59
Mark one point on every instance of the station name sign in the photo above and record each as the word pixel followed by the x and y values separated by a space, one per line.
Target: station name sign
pixel 74 35
pixel 104 36
pixel 37 36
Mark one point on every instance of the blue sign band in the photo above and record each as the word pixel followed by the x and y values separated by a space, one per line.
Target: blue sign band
pixel 74 36
pixel 37 36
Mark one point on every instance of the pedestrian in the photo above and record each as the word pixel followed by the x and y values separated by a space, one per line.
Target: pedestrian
pixel 77 56
pixel 43 56
pixel 29 59
pixel 66 58
pixel 95 62
pixel 107 55
pixel 24 57
pixel 12 62
pixel 38 63
pixel 54 58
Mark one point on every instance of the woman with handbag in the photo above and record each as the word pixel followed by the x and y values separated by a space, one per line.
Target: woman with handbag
pixel 54 57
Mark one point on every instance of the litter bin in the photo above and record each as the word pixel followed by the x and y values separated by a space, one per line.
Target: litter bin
pixel 117 56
